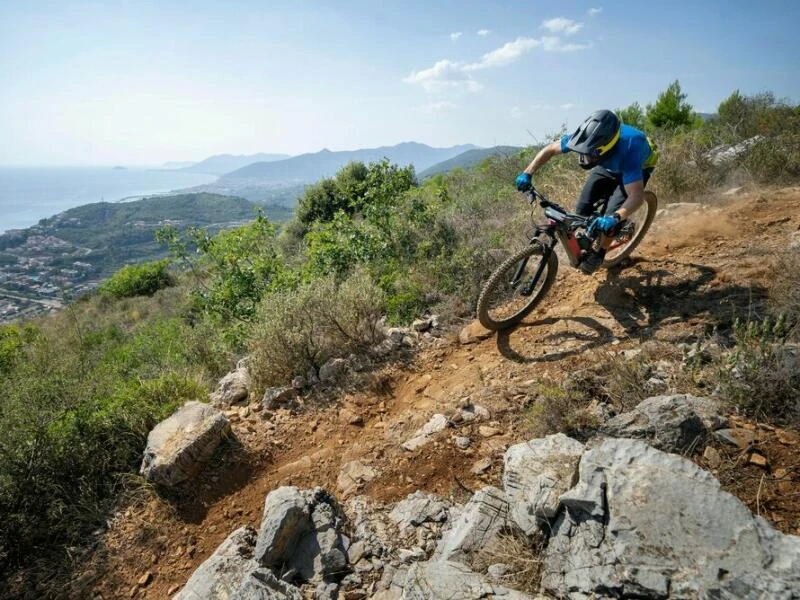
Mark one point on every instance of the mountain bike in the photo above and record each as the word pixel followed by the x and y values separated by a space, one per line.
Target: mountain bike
pixel 522 280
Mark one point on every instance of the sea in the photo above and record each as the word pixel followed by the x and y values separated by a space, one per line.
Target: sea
pixel 28 194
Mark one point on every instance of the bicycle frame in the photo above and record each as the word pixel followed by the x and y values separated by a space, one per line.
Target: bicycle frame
pixel 561 226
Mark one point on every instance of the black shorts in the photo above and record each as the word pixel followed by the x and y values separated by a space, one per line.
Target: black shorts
pixel 603 185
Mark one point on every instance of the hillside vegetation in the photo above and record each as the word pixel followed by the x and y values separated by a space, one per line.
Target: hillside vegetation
pixel 83 387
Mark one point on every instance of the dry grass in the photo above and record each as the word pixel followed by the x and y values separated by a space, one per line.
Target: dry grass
pixel 521 557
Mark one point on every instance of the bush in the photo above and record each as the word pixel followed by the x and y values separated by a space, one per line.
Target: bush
pixel 300 330
pixel 760 376
pixel 137 280
pixel 562 408
pixel 784 291
pixel 79 400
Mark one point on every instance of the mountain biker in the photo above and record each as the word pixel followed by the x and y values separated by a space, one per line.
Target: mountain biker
pixel 622 159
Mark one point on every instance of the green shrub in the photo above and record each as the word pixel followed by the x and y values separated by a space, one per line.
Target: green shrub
pixel 299 330
pixel 784 291
pixel 137 280
pixel 773 159
pixel 80 397
pixel 760 376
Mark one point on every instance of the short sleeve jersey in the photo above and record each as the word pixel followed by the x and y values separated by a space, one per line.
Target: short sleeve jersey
pixel 630 156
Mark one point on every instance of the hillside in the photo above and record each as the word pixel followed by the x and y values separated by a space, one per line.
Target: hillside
pixel 69 253
pixel 220 164
pixel 314 166
pixel 467 159
pixel 690 276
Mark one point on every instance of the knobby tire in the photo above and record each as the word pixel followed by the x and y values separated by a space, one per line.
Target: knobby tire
pixel 650 205
pixel 500 279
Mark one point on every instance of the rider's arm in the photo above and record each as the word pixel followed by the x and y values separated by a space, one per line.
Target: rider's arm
pixel 635 192
pixel 543 156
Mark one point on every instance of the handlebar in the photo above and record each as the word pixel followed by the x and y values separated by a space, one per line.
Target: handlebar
pixel 534 195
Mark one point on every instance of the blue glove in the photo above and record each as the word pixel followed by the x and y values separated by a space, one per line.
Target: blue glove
pixel 605 224
pixel 523 182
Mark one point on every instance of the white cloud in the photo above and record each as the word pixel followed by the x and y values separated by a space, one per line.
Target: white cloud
pixel 483 32
pixel 517 113
pixel 445 74
pixel 567 106
pixel 455 35
pixel 505 54
pixel 593 12
pixel 562 25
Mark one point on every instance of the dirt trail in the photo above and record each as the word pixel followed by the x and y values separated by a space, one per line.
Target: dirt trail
pixel 698 267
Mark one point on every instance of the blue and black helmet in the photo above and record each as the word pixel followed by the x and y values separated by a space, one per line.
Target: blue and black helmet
pixel 595 137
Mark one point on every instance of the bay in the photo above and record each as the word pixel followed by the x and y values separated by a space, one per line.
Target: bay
pixel 28 194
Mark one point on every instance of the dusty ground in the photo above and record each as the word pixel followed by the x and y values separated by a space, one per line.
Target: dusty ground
pixel 698 268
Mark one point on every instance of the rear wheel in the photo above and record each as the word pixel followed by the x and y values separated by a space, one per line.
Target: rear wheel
pixel 635 228
pixel 504 300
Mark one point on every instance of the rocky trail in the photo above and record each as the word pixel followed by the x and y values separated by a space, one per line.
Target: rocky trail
pixel 441 414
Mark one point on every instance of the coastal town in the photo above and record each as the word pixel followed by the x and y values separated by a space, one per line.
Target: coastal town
pixel 38 272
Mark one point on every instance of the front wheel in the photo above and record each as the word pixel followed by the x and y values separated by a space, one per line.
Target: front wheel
pixel 629 236
pixel 517 286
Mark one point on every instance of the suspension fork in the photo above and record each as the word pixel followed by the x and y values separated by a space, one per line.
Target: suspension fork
pixel 527 290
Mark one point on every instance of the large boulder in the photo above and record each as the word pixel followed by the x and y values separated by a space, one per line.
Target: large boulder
pixel 178 447
pixel 300 535
pixel 220 576
pixel 535 474
pixel 677 423
pixel 261 584
pixel 483 519
pixel 643 523
pixel 232 389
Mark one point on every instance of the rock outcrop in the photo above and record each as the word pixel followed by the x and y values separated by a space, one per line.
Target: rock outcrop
pixel 178 447
pixel 676 423
pixel 643 523
pixel 232 389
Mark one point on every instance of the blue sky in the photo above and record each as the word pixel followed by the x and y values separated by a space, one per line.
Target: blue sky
pixel 138 82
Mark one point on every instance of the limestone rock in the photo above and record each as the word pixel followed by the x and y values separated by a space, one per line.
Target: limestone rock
pixel 647 524
pixel 424 435
pixel 419 508
pixel 261 584
pixel 220 576
pixel 676 423
pixel 232 389
pixel 301 534
pixel 286 519
pixel 483 518
pixel 535 474
pixel 443 580
pixel 178 447
pixel 332 370
pixel 354 475
pixel 473 333
pixel 276 397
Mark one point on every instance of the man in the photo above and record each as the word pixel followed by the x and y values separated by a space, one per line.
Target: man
pixel 622 159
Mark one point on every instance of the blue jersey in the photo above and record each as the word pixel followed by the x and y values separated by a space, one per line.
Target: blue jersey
pixel 632 153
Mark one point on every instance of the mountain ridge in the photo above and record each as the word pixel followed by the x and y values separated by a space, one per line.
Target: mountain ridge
pixel 326 162
pixel 219 164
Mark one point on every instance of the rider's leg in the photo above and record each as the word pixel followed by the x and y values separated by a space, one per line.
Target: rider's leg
pixel 598 187
pixel 618 199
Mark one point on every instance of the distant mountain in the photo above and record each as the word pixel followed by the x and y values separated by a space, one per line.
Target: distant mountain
pixel 467 159
pixel 314 166
pixel 220 164
pixel 178 164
